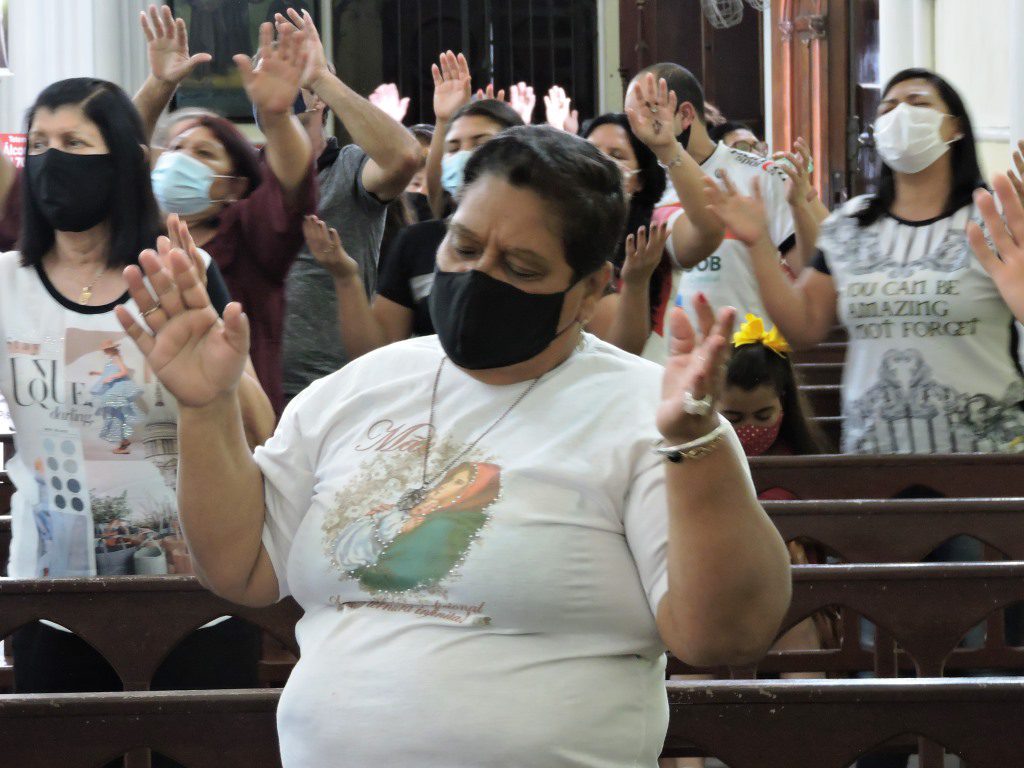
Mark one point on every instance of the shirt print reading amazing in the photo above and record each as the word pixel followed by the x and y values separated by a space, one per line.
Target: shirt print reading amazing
pixel 928 367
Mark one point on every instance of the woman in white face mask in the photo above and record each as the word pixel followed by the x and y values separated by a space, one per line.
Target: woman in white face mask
pixel 930 367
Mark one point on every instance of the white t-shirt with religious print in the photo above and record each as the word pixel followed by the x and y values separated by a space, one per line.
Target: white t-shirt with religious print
pixel 468 624
pixel 96 446
pixel 726 277
pixel 930 366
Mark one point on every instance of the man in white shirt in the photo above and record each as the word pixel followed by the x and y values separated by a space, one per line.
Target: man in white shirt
pixel 726 277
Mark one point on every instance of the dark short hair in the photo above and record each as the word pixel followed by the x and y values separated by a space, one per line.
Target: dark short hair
pixel 966 172
pixel 718 132
pixel 681 82
pixel 583 186
pixel 755 365
pixel 245 160
pixel 491 109
pixel 134 216
pixel 424 133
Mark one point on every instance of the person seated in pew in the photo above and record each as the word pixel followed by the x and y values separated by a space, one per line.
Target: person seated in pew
pixel 485 510
pixel 762 400
pixel 91 466
pixel 931 365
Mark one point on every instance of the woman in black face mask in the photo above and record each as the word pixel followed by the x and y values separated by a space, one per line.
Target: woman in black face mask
pixel 95 491
pixel 484 509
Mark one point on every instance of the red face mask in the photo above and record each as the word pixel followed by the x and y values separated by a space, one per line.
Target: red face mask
pixel 756 439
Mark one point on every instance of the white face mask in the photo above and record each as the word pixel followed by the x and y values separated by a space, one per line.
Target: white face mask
pixel 908 139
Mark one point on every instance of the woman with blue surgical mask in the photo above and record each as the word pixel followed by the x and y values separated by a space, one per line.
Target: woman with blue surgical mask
pixel 930 367
pixel 246 208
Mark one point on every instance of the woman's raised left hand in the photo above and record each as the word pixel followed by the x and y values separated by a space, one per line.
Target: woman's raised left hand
pixel 1006 263
pixel 197 356
pixel 695 370
pixel 273 86
pixel 167 45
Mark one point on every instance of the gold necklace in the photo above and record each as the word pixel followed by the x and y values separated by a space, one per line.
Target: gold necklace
pixel 86 295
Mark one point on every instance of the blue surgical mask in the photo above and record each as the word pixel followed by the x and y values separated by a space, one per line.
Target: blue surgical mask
pixel 453 168
pixel 181 184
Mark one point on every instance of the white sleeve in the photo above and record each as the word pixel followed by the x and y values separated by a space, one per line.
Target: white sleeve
pixel 646 524
pixel 780 217
pixel 288 479
pixel 670 221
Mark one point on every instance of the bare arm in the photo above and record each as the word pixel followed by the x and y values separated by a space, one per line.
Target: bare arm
pixel 624 319
pixel 272 88
pixel 363 328
pixel 803 311
pixel 698 233
pixel 807 209
pixel 169 63
pixel 727 597
pixel 452 88
pixel 394 152
pixel 201 360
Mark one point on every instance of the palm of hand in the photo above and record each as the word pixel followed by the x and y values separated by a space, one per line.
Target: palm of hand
pixel 194 360
pixel 273 86
pixel 168 61
pixel 449 96
pixel 681 373
pixel 744 216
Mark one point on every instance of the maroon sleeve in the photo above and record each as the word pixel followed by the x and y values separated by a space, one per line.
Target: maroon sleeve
pixel 270 225
pixel 10 217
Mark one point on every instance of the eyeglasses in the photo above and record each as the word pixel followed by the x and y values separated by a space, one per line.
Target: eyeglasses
pixel 753 147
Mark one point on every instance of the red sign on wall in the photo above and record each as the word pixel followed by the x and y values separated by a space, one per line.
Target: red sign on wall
pixel 12 146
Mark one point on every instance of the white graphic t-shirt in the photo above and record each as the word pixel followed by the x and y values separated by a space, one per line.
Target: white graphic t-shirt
pixel 726 277
pixel 472 617
pixel 96 445
pixel 930 366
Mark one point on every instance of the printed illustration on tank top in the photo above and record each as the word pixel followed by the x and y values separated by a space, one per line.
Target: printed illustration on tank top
pixel 395 535
pixel 908 409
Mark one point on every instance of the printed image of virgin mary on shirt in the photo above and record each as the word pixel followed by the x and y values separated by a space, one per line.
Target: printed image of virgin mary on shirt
pixel 388 550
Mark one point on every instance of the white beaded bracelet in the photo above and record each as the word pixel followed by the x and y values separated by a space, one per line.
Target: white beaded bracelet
pixel 695 449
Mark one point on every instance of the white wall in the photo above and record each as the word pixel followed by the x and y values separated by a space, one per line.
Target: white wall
pixel 49 40
pixel 976 45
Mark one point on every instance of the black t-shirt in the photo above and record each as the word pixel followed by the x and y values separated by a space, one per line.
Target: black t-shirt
pixel 220 297
pixel 408 272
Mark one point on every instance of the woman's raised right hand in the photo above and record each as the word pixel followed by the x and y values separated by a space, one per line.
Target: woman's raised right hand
pixel 196 355
pixel 452 84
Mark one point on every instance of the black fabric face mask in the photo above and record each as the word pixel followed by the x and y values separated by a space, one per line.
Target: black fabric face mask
pixel 486 323
pixel 72 191
pixel 421 206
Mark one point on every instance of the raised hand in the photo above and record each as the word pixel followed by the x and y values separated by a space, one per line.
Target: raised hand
pixel 696 368
pixel 488 93
pixel 797 167
pixel 197 356
pixel 523 100
pixel 388 100
pixel 452 84
pixel 1017 179
pixel 317 66
pixel 167 45
pixel 653 120
pixel 558 110
pixel 181 239
pixel 325 245
pixel 643 254
pixel 1006 264
pixel 273 86
pixel 744 216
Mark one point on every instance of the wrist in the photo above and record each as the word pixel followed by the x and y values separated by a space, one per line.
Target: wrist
pixel 666 153
pixel 761 244
pixel 223 403
pixel 345 279
pixel 695 430
pixel 318 80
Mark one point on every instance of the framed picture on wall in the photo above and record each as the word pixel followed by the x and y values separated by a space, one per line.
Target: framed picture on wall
pixel 224 28
pixel 5 65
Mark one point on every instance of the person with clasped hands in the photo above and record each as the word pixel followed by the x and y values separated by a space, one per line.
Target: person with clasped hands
pixel 526 537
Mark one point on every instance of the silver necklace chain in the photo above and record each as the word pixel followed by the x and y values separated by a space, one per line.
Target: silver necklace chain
pixel 411 498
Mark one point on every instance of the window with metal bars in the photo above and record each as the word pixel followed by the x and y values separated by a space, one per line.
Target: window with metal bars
pixel 540 42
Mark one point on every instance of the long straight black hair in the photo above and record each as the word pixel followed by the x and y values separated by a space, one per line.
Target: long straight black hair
pixel 134 217
pixel 966 172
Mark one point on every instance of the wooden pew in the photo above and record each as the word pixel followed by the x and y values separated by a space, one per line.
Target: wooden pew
pixel 824 399
pixel 881 477
pixel 924 608
pixel 819 373
pixel 826 352
pixel 199 729
pixel 829 723
pixel 900 530
pixel 133 621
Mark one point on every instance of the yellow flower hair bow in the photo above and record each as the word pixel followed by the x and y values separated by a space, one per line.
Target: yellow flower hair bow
pixel 753 332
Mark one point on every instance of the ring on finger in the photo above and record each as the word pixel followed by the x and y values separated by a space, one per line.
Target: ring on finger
pixel 152 309
pixel 696 406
